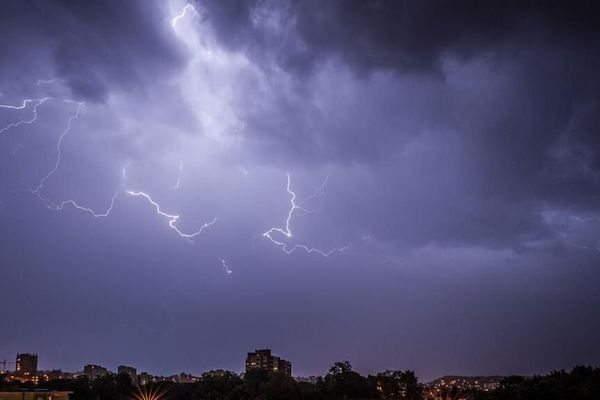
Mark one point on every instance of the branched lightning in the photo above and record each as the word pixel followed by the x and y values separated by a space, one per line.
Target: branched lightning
pixel 36 103
pixel 64 133
pixel 172 218
pixel 188 7
pixel 287 231
pixel 317 192
pixel 37 190
pixel 60 206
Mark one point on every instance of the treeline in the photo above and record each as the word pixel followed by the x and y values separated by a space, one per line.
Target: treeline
pixel 340 383
pixel 582 383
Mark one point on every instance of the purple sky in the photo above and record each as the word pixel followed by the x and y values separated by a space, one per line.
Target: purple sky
pixel 445 161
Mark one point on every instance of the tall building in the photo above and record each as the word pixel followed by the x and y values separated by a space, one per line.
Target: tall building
pixel 94 371
pixel 263 359
pixel 26 364
pixel 132 372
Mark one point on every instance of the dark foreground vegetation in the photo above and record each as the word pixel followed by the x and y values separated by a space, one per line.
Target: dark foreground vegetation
pixel 582 383
pixel 340 383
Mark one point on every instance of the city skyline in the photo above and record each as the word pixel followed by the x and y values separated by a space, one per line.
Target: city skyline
pixel 253 360
pixel 260 359
pixel 407 185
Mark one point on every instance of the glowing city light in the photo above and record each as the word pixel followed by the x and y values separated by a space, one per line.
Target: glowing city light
pixel 148 393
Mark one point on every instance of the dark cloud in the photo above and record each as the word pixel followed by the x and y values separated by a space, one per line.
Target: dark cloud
pixel 91 47
pixel 414 36
pixel 498 98
pixel 400 35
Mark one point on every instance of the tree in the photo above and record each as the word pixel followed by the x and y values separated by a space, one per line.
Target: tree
pixel 216 387
pixel 395 385
pixel 341 382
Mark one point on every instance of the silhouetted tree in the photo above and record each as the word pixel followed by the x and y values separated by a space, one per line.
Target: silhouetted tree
pixel 216 387
pixel 395 385
pixel 342 383
pixel 582 383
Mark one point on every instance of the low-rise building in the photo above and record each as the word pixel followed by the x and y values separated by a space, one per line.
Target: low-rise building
pixel 35 395
pixel 217 373
pixel 94 371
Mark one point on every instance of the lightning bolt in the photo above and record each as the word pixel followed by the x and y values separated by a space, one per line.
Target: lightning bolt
pixel 64 133
pixel 319 190
pixel 37 190
pixel 60 206
pixel 178 183
pixel 36 103
pixel 286 231
pixel 188 7
pixel 172 218
pixel 226 267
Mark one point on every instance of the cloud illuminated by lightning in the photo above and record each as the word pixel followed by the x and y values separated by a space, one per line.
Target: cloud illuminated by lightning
pixel 47 81
pixel 572 243
pixel 286 231
pixel 59 206
pixel 172 217
pixel 578 232
pixel 577 245
pixel 188 7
